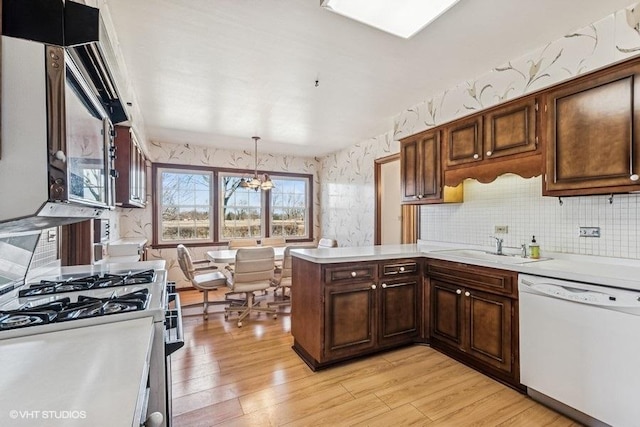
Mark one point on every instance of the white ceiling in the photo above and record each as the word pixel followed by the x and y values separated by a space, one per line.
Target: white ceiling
pixel 216 72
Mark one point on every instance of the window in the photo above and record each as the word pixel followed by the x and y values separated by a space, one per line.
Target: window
pixel 207 206
pixel 289 207
pixel 241 214
pixel 185 211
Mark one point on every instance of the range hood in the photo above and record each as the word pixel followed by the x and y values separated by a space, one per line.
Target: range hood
pixel 25 182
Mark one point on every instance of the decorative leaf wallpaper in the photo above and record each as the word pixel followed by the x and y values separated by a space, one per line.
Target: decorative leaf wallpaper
pixel 347 190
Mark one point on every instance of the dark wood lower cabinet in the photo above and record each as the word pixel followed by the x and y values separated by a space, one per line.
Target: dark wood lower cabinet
pixel 473 325
pixel 349 319
pixel 347 310
pixel 359 312
pixel 399 311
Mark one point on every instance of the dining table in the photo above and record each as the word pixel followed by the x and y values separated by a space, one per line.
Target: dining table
pixel 228 256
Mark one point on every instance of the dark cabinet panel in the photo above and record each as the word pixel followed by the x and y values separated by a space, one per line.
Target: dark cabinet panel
pixel 471 324
pixel 447 313
pixel 421 171
pixel 510 129
pixel 463 140
pixel 399 313
pixel 593 142
pixel 130 165
pixel 490 329
pixel 349 319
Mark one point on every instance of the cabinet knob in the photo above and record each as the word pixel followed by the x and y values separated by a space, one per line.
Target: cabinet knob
pixel 476 156
pixel 489 153
pixel 419 196
pixel 384 285
pixel 373 287
pixel 401 269
pixel 634 177
pixel 458 291
pixel 466 294
pixel 354 274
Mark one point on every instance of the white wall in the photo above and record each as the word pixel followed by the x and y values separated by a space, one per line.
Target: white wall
pixel 347 176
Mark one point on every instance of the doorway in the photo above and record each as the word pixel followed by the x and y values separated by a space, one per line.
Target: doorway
pixel 395 222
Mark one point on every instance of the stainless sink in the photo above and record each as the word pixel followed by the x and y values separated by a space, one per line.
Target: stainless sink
pixel 477 254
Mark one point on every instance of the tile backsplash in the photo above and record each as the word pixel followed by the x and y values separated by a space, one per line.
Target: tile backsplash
pixel 518 203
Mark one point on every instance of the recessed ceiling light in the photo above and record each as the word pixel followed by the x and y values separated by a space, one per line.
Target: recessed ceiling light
pixel 402 18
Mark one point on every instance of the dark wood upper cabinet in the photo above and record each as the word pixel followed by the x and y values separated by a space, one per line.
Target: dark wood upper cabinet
pixel 593 134
pixel 421 171
pixel 502 139
pixel 463 140
pixel 510 129
pixel 131 167
pixel 506 130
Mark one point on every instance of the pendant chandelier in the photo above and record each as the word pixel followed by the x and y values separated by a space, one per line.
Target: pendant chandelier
pixel 255 183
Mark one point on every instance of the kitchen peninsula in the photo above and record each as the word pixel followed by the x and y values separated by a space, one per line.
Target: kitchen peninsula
pixel 349 302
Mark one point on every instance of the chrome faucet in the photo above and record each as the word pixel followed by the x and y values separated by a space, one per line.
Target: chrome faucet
pixel 523 247
pixel 499 242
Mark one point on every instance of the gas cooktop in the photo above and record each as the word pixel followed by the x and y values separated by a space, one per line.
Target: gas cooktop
pixel 65 309
pixel 96 281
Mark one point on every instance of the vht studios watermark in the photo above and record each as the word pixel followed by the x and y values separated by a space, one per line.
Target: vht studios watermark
pixel 15 414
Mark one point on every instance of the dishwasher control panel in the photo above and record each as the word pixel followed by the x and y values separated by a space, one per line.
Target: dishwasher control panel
pixel 575 294
pixel 603 296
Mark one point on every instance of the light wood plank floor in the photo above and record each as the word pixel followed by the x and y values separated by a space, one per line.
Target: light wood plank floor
pixel 250 376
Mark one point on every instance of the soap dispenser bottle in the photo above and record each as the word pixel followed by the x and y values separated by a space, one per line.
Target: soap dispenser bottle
pixel 534 248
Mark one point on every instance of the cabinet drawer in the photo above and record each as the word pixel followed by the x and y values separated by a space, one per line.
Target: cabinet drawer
pixel 483 278
pixel 400 267
pixel 355 272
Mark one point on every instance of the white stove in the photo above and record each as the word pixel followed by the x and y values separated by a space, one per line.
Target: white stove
pixel 72 300
pixel 82 296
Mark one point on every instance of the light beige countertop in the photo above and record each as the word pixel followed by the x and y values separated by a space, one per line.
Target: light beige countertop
pixel 76 377
pixel 617 272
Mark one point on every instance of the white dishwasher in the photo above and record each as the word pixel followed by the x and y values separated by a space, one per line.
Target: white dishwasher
pixel 580 346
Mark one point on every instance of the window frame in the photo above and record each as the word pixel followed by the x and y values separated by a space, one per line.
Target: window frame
pixel 216 199
pixel 157 212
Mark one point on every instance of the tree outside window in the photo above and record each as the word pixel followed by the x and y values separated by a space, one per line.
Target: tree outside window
pixel 207 206
pixel 185 207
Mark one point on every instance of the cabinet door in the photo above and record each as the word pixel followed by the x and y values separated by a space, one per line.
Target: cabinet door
pixel 447 313
pixel 129 163
pixel 489 328
pixel 463 140
pixel 510 129
pixel 409 170
pixel 349 319
pixel 420 168
pixel 592 131
pixel 399 310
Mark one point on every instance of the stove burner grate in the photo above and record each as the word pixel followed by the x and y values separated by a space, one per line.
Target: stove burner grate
pixel 63 309
pixel 46 287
